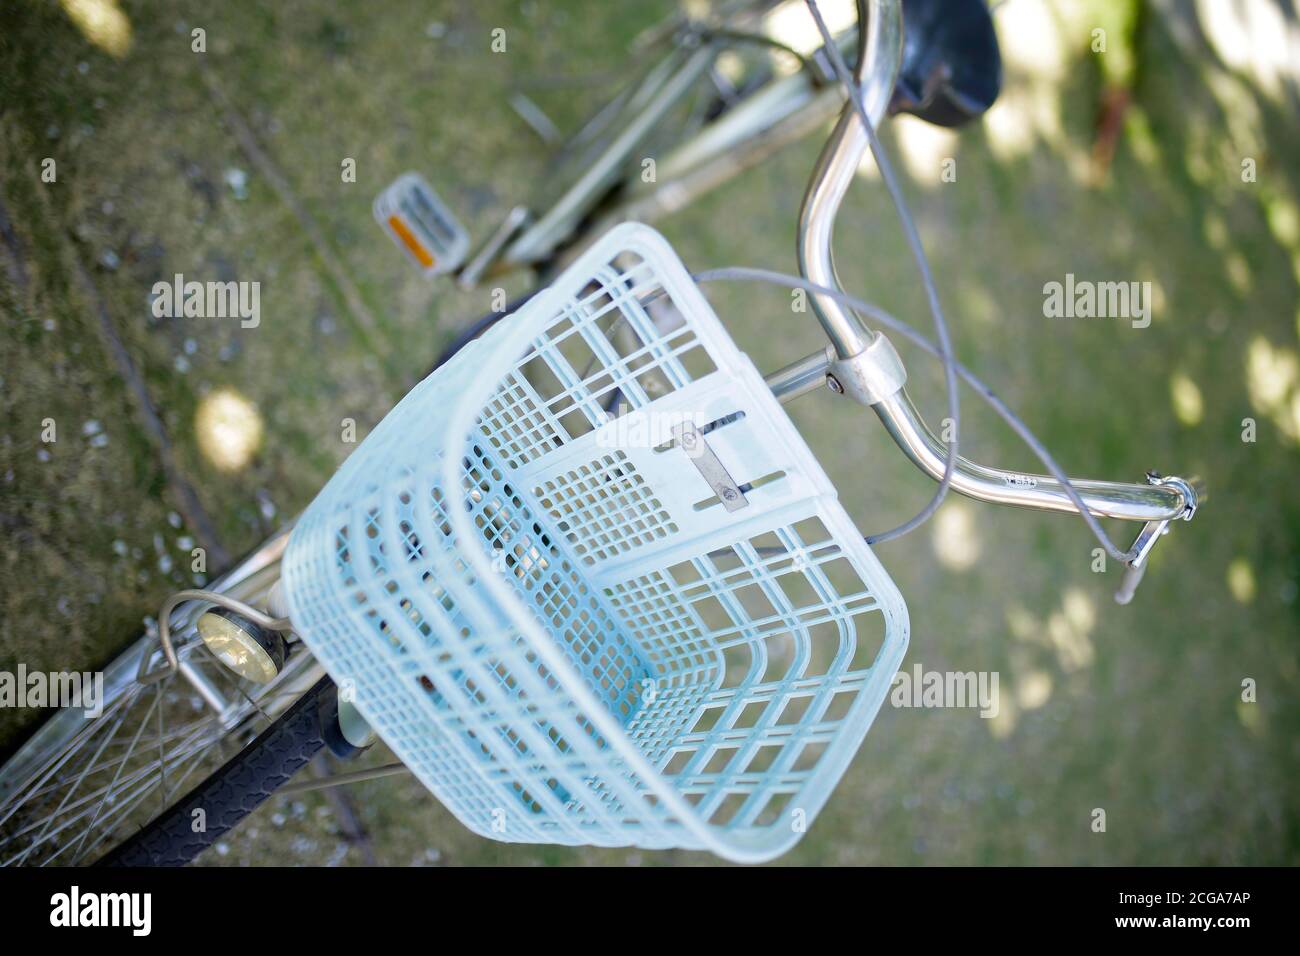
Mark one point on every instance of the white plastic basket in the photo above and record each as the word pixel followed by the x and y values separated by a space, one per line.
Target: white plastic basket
pixel 549 614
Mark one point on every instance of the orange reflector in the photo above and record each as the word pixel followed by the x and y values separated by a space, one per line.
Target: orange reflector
pixel 408 239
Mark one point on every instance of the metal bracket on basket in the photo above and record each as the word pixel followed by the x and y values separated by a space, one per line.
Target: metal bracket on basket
pixel 1152 532
pixel 709 465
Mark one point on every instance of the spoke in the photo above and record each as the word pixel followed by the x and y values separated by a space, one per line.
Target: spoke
pixel 254 704
pixel 108 831
pixel 73 789
pixel 186 731
pixel 172 735
pixel 144 777
pixel 118 775
pixel 58 760
pixel 143 772
pixel 145 741
pixel 162 762
pixel 130 803
pixel 342 779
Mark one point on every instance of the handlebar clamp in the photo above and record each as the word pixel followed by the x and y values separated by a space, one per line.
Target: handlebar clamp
pixel 873 375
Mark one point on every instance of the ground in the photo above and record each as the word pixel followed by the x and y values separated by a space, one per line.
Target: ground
pixel 1137 711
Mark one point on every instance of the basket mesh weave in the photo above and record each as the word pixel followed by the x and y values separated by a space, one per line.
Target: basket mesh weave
pixel 545 610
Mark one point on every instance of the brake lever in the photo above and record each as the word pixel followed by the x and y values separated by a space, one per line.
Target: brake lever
pixel 1136 567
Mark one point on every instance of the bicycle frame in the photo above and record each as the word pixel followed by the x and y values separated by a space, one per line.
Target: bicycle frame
pixel 666 85
pixel 790 108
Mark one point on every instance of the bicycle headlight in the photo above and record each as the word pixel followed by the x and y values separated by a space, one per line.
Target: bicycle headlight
pixel 252 652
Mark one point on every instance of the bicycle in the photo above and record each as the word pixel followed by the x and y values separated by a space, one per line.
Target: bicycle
pixel 564 730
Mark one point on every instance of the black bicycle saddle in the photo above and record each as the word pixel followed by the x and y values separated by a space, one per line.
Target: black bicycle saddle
pixel 951 70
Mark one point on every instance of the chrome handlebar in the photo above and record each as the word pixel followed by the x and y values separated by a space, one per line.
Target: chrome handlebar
pixel 1163 500
pixel 880 52
pixel 864 365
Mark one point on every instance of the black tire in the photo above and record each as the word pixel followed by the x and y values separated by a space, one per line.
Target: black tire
pixel 241 786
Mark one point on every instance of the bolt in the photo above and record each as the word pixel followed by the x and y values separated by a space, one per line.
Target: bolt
pixel 834 384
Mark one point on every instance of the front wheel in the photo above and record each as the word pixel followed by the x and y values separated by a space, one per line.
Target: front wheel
pixel 192 824
pixel 81 785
